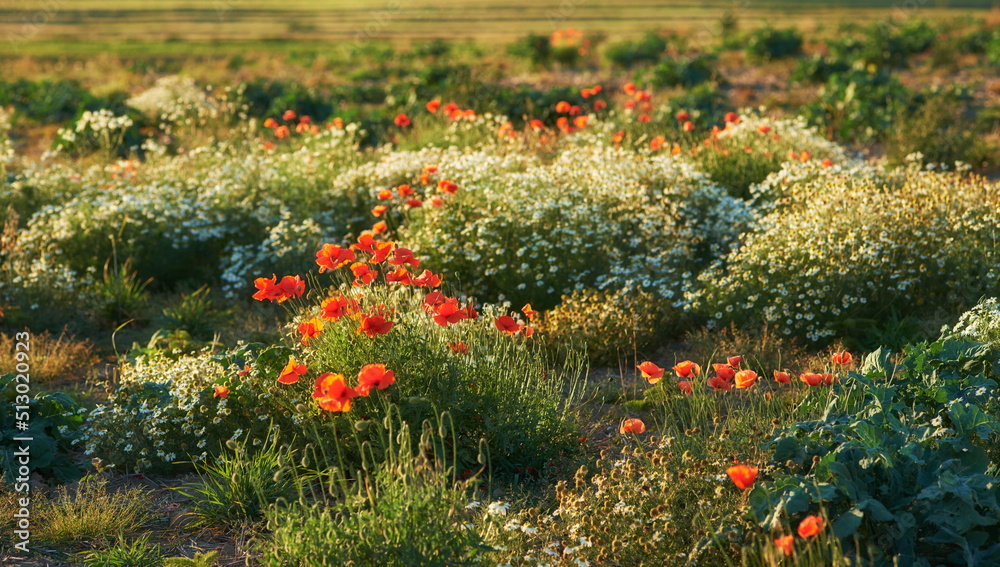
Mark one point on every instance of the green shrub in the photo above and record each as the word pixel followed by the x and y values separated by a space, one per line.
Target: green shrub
pixel 91 515
pixel 194 314
pixel 818 69
pixel 687 72
pixel 940 134
pixel 533 47
pixel 768 43
pixel 859 105
pixel 843 247
pixel 627 54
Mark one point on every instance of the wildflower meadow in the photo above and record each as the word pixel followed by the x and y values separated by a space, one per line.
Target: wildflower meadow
pixel 641 295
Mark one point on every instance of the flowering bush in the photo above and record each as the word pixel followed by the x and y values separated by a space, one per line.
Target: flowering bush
pixel 842 251
pixel 981 323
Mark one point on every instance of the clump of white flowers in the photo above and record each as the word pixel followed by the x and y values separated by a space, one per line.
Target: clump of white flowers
pixel 981 323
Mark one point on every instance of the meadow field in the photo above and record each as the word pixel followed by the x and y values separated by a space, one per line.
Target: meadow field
pixel 503 284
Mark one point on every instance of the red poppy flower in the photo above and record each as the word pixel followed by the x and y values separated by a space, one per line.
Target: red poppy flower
pixel 374 325
pixel 562 122
pixel 332 393
pixel 811 379
pixel 282 132
pixel 745 378
pixel 804 157
pixel 633 425
pixel 384 195
pixel 433 106
pixel 288 115
pixel 586 93
pixel 310 329
pixel 221 391
pixel 810 526
pixel 363 275
pixel 427 279
pixel 245 371
pixel 270 123
pixel 291 372
pixel 448 312
pixel 379 210
pixel 829 379
pixel 599 105
pixel 575 110
pixel 380 227
pixel 685 386
pixel 786 544
pixel 682 116
pixel 742 475
pixel 688 126
pixel 374 376
pixel 404 256
pixel 536 124
pixel 304 120
pixel 399 275
pixel 718 383
pixel 437 202
pixel 528 311
pixel 562 107
pixel 365 242
pixel 381 251
pixel 459 347
pixel 724 371
pixel 656 143
pixel 687 369
pixel 651 372
pixel 764 129
pixel 731 118
pixel 471 311
pixel 414 203
pixel 404 190
pixel 300 128
pixel 827 162
pixel 402 120
pixel 644 118
pixel 446 186
pixel 734 361
pixel 266 289
pixel 629 88
pixel 842 357
pixel 450 108
pixel 333 308
pixel 527 331
pixel 507 324
pixel 618 137
pixel 782 377
pixel 580 122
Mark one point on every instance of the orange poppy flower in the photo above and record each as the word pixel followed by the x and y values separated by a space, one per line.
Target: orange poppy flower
pixel 651 372
pixel 404 190
pixel 446 186
pixel 688 126
pixel 374 376
pixel 432 300
pixel 282 132
pixel 404 256
pixel 629 88
pixel 633 425
pixel 288 115
pixel 374 325
pixel 575 110
pixel 310 329
pixel 562 107
pixel 380 227
pixel 332 256
pixel 507 324
pixel 472 312
pixel 734 361
pixel 332 393
pixel 437 201
pixel 268 146
pixel 764 129
pixel 300 128
pixel 399 275
pixel 676 149
pixel 786 544
pixel 450 108
pixel 683 116
pixel 379 210
pixel 381 251
pixel 630 104
pixel 221 391
pixel 811 379
pixel 384 195
pixel 827 162
pixel 644 118
pixel 842 357
pixel 724 371
pixel 401 120
pixel 363 275
pixel 742 475
pixel 810 526
pixel 745 378
pixel 599 105
pixel 448 312
pixel 562 122
pixel 782 377
pixel 527 331
pixel 334 308
pixel 291 372
pixel 528 311
pixel 245 371
pixel 290 286
pixel 618 137
pixel 459 347
pixel 580 122
pixel 830 379
pixel 731 118
pixel 718 383
pixel 304 120
pixel 656 143
pixel 365 242
pixel 338 122
pixel 270 123
pixel 414 203
pixel 433 106
pixel 805 156
pixel 427 279
pixel 586 93
pixel 687 369
pixel 685 387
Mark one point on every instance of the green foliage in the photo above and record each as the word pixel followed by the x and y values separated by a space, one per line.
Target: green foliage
pixel 533 47
pixel 91 515
pixel 53 420
pixel 940 134
pixel 194 314
pixel 240 485
pixel 206 559
pixel 818 69
pixel 859 105
pixel 768 43
pixel 121 296
pixel 628 54
pixel 47 101
pixel 687 72
pixel 898 459
pixel 404 508
pixel 137 553
pixel 612 326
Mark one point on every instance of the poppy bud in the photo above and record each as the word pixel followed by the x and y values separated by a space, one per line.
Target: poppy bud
pixel 301 408
pixel 361 425
pixel 231 444
pixel 305 461
pixel 277 476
